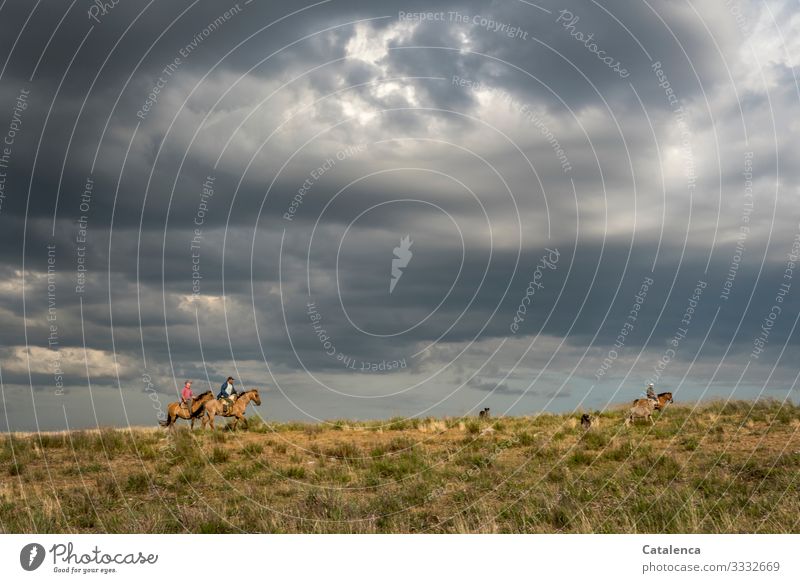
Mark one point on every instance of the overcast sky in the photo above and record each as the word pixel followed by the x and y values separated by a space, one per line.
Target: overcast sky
pixel 593 196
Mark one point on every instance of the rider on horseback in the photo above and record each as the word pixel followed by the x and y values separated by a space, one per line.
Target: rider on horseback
pixel 651 393
pixel 187 396
pixel 227 392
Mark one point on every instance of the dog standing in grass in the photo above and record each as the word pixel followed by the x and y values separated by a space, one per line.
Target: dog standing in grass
pixel 586 421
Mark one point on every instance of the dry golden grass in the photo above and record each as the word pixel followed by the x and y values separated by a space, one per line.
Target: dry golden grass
pixel 712 468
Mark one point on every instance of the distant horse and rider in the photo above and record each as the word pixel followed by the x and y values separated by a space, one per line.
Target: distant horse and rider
pixel 643 408
pixel 237 409
pixel 228 403
pixel 660 401
pixel 183 410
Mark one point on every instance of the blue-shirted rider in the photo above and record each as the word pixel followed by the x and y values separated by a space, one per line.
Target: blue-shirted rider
pixel 227 392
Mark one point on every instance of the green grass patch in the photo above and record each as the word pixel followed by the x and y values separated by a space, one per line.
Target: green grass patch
pixel 219 455
pixel 137 483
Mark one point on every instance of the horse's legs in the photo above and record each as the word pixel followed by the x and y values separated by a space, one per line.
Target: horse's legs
pixel 246 424
pixel 193 423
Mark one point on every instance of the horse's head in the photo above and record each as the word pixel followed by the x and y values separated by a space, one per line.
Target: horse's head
pixel 256 397
pixel 203 397
pixel 667 397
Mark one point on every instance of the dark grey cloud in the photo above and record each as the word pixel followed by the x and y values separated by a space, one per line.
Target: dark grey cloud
pixel 365 128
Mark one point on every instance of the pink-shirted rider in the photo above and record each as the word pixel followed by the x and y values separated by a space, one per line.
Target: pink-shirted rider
pixel 187 396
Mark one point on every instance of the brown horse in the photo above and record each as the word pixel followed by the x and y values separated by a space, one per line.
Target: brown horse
pixel 176 409
pixel 663 399
pixel 237 410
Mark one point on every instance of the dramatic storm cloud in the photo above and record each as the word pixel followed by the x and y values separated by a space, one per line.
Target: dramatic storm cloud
pixel 395 208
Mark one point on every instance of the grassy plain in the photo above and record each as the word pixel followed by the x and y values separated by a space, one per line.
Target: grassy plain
pixel 708 468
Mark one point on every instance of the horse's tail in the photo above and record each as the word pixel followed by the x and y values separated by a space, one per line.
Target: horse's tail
pixel 166 422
